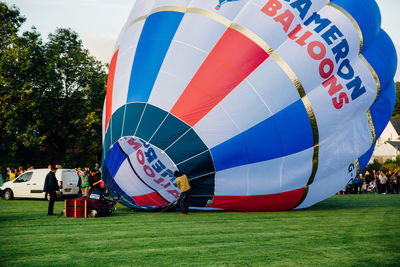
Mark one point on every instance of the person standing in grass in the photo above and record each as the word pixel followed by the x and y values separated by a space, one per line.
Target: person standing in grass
pixel 84 183
pixel 397 183
pixel 357 183
pixel 183 184
pixel 382 182
pixel 11 177
pixel 368 178
pixel 1 177
pixel 51 187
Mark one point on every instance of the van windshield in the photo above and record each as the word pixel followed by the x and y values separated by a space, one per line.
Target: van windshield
pixel 24 177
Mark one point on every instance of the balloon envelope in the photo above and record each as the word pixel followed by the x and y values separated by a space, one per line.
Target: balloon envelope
pixel 264 104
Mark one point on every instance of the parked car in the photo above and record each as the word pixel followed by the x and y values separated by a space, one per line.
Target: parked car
pixel 30 184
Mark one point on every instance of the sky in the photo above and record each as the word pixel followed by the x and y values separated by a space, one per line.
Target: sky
pixel 98 22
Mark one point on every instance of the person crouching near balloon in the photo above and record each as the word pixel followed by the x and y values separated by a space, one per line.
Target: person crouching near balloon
pixel 183 184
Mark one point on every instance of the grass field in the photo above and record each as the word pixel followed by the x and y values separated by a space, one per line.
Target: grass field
pixel 345 230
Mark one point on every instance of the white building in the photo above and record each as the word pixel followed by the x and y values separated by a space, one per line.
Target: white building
pixel 388 144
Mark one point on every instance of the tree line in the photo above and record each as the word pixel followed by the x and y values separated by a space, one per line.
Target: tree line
pixel 396 111
pixel 51 96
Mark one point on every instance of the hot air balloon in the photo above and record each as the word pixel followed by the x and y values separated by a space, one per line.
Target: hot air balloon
pixel 266 104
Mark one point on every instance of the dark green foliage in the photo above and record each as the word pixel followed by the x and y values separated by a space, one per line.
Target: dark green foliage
pixel 396 111
pixel 51 97
pixel 392 165
pixel 375 165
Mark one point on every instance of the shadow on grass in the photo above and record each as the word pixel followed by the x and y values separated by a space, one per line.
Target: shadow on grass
pixel 365 201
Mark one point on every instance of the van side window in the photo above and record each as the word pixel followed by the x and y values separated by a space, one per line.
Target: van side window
pixel 24 177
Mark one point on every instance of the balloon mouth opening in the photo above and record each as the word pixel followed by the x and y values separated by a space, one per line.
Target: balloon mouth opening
pixel 147 173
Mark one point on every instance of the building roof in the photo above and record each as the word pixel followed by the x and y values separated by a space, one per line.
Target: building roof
pixel 395 144
pixel 396 125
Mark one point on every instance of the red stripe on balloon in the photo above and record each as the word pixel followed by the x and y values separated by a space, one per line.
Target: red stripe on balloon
pixel 150 200
pixel 274 202
pixel 232 59
pixel 110 87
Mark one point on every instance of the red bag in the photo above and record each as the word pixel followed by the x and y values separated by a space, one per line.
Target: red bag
pixel 76 208
pixel 102 185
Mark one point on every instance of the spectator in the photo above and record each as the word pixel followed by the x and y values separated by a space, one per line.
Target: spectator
pixel 51 187
pixel 368 178
pixel 96 167
pixel 349 187
pixel 397 185
pixel 12 175
pixel 376 183
pixel 391 184
pixel 20 170
pixel 357 183
pixel 84 183
pixel 1 177
pixel 96 179
pixel 382 181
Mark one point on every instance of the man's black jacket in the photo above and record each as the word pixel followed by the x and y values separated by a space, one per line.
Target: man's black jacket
pixel 51 183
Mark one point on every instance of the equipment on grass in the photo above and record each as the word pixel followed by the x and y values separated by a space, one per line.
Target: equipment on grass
pixel 265 105
pixel 94 206
pixel 76 208
pixel 170 205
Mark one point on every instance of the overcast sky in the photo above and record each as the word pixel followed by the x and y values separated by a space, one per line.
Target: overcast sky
pixel 98 22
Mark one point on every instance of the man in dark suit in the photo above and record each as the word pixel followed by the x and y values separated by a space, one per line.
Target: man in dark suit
pixel 51 187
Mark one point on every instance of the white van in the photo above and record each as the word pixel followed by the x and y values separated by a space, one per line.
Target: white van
pixel 30 184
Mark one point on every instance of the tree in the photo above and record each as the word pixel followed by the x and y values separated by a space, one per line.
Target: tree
pixel 10 22
pixel 21 68
pixel 51 96
pixel 396 111
pixel 77 81
pixel 375 165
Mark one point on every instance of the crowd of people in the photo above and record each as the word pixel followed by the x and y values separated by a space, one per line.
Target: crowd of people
pixel 375 182
pixel 89 179
pixel 12 173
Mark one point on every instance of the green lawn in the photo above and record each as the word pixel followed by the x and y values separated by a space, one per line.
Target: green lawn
pixel 346 230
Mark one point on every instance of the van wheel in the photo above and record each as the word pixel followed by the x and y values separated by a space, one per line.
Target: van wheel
pixel 8 194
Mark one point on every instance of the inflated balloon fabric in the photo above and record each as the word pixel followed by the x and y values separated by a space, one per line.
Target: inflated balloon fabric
pixel 265 104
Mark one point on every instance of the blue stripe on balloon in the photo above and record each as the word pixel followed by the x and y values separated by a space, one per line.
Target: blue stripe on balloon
pixel 367 15
pixel 114 159
pixel 285 133
pixel 155 39
pixel 381 55
pixel 109 181
pixel 295 128
pixel 109 172
pixel 364 159
pixel 381 111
